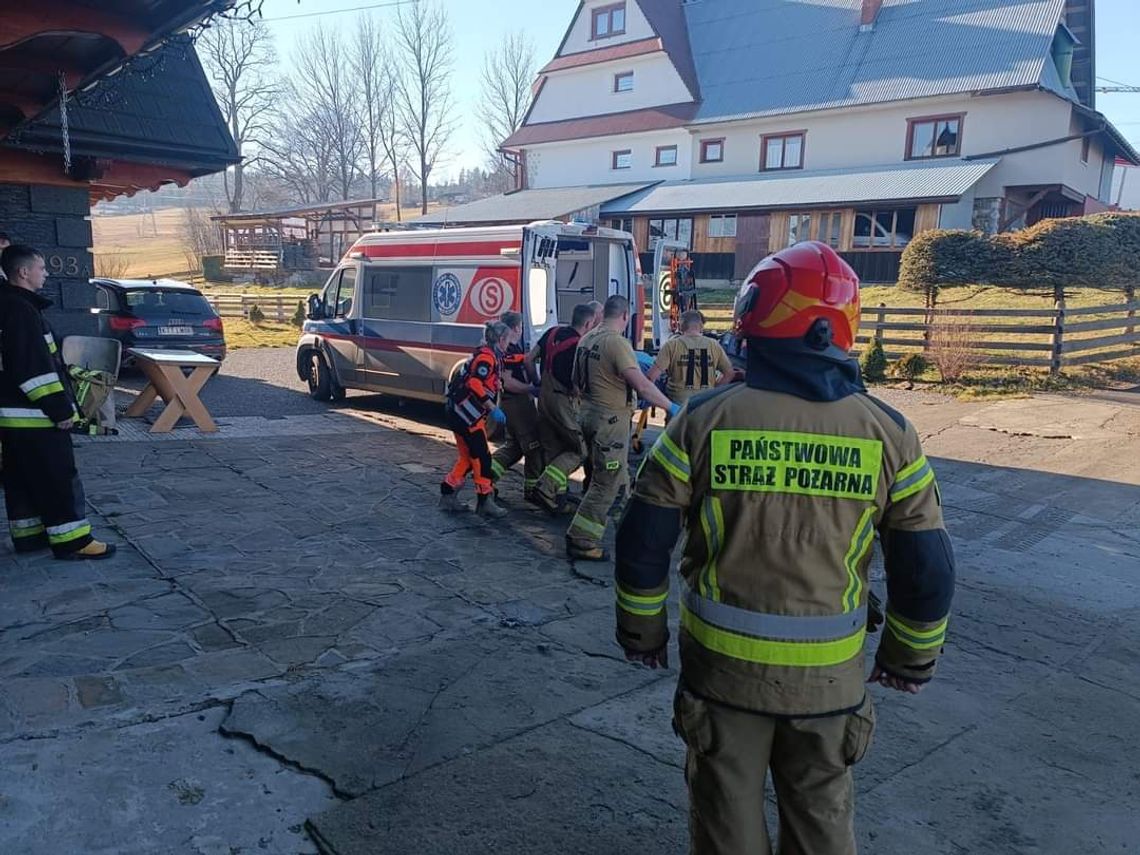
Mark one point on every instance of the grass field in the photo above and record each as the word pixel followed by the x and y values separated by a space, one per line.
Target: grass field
pixel 241 333
pixel 146 246
pixel 141 246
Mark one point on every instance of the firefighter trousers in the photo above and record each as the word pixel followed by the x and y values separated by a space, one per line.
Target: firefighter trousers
pixel 474 457
pixel 729 754
pixel 522 441
pixel 607 439
pixel 42 491
pixel 561 438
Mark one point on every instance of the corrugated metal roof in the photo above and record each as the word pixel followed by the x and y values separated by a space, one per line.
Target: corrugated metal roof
pixel 767 57
pixel 526 206
pixel 913 182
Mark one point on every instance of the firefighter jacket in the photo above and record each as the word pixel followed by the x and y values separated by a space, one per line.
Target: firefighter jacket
pixel 602 356
pixel 555 356
pixel 514 364
pixel 781 483
pixel 33 386
pixel 475 388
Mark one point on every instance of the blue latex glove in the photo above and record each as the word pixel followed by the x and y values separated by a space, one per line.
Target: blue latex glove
pixel 498 416
pixel 674 410
pixel 644 361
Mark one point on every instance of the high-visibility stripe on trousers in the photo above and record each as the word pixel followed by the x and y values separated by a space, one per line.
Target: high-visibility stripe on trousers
pixel 42 491
pixel 608 436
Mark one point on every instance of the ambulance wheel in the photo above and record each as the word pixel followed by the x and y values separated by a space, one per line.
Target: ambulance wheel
pixel 339 393
pixel 320 377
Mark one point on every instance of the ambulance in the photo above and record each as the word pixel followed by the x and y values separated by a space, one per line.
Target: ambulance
pixel 404 309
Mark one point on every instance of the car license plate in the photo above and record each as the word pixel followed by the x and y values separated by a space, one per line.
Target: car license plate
pixel 183 331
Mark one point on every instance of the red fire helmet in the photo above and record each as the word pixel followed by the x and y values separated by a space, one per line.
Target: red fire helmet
pixel 788 292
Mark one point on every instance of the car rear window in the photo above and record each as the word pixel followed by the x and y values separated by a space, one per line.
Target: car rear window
pixel 155 301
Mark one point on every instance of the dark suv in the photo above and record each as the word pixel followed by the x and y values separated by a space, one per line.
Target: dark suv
pixel 160 314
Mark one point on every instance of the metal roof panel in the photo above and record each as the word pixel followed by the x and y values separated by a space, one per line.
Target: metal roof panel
pixel 525 206
pixel 912 182
pixel 767 57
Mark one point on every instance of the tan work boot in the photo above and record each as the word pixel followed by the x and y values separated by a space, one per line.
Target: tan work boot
pixel 449 503
pixel 94 551
pixel 487 507
pixel 582 552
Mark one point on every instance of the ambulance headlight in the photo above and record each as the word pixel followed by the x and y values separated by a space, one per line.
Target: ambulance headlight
pixel 536 287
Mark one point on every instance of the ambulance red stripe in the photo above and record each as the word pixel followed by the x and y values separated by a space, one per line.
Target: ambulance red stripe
pixel 442 249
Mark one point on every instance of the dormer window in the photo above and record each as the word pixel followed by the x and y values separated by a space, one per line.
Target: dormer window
pixel 608 21
pixel 623 82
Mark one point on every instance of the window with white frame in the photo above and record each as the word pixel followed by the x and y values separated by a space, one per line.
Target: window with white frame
pixel 782 151
pixel 722 226
pixel 608 21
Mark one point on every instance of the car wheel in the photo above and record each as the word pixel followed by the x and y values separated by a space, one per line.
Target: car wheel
pixel 320 378
pixel 339 393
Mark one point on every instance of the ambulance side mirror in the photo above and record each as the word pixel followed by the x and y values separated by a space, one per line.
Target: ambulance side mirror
pixel 316 308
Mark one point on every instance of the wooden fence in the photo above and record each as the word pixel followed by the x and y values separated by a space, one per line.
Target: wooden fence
pixel 275 308
pixel 1054 338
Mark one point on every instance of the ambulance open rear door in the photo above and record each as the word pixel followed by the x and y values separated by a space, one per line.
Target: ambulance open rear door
pixel 538 280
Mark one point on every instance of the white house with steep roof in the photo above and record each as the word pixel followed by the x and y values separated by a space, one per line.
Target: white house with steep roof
pixel 746 125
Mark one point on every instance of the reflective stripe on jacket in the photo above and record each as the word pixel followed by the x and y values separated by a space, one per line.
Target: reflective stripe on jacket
pixel 475 387
pixel 781 498
pixel 33 388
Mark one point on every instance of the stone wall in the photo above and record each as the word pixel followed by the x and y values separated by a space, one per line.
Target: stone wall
pixel 55 220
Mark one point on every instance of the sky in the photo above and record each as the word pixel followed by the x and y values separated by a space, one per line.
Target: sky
pixel 479 25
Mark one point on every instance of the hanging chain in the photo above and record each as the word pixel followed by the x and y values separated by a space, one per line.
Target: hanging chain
pixel 63 123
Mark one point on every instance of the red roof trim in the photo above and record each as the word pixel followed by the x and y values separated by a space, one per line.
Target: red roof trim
pixel 631 122
pixel 608 54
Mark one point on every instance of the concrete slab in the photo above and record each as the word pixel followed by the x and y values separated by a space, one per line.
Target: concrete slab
pixel 365 729
pixel 170 786
pixel 1048 418
pixel 557 789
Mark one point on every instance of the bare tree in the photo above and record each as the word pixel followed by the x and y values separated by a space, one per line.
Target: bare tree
pixel 508 72
pixel 372 68
pixel 327 88
pixel 241 62
pixel 423 34
pixel 301 155
pixel 200 237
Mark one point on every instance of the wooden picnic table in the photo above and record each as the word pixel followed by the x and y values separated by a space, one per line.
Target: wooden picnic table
pixel 165 372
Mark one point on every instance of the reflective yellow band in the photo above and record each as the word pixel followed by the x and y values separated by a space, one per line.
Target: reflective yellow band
pixel 712 522
pixel 915 484
pixel 794 654
pixel 58 535
pixel 640 605
pixel 917 639
pixel 672 459
pixel 557 476
pixel 802 464
pixel 43 391
pixel 592 528
pixel 861 542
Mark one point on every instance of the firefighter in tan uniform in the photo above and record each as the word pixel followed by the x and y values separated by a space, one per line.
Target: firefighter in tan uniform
pixel 558 429
pixel 608 377
pixel 781 483
pixel 691 361
pixel 522 442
